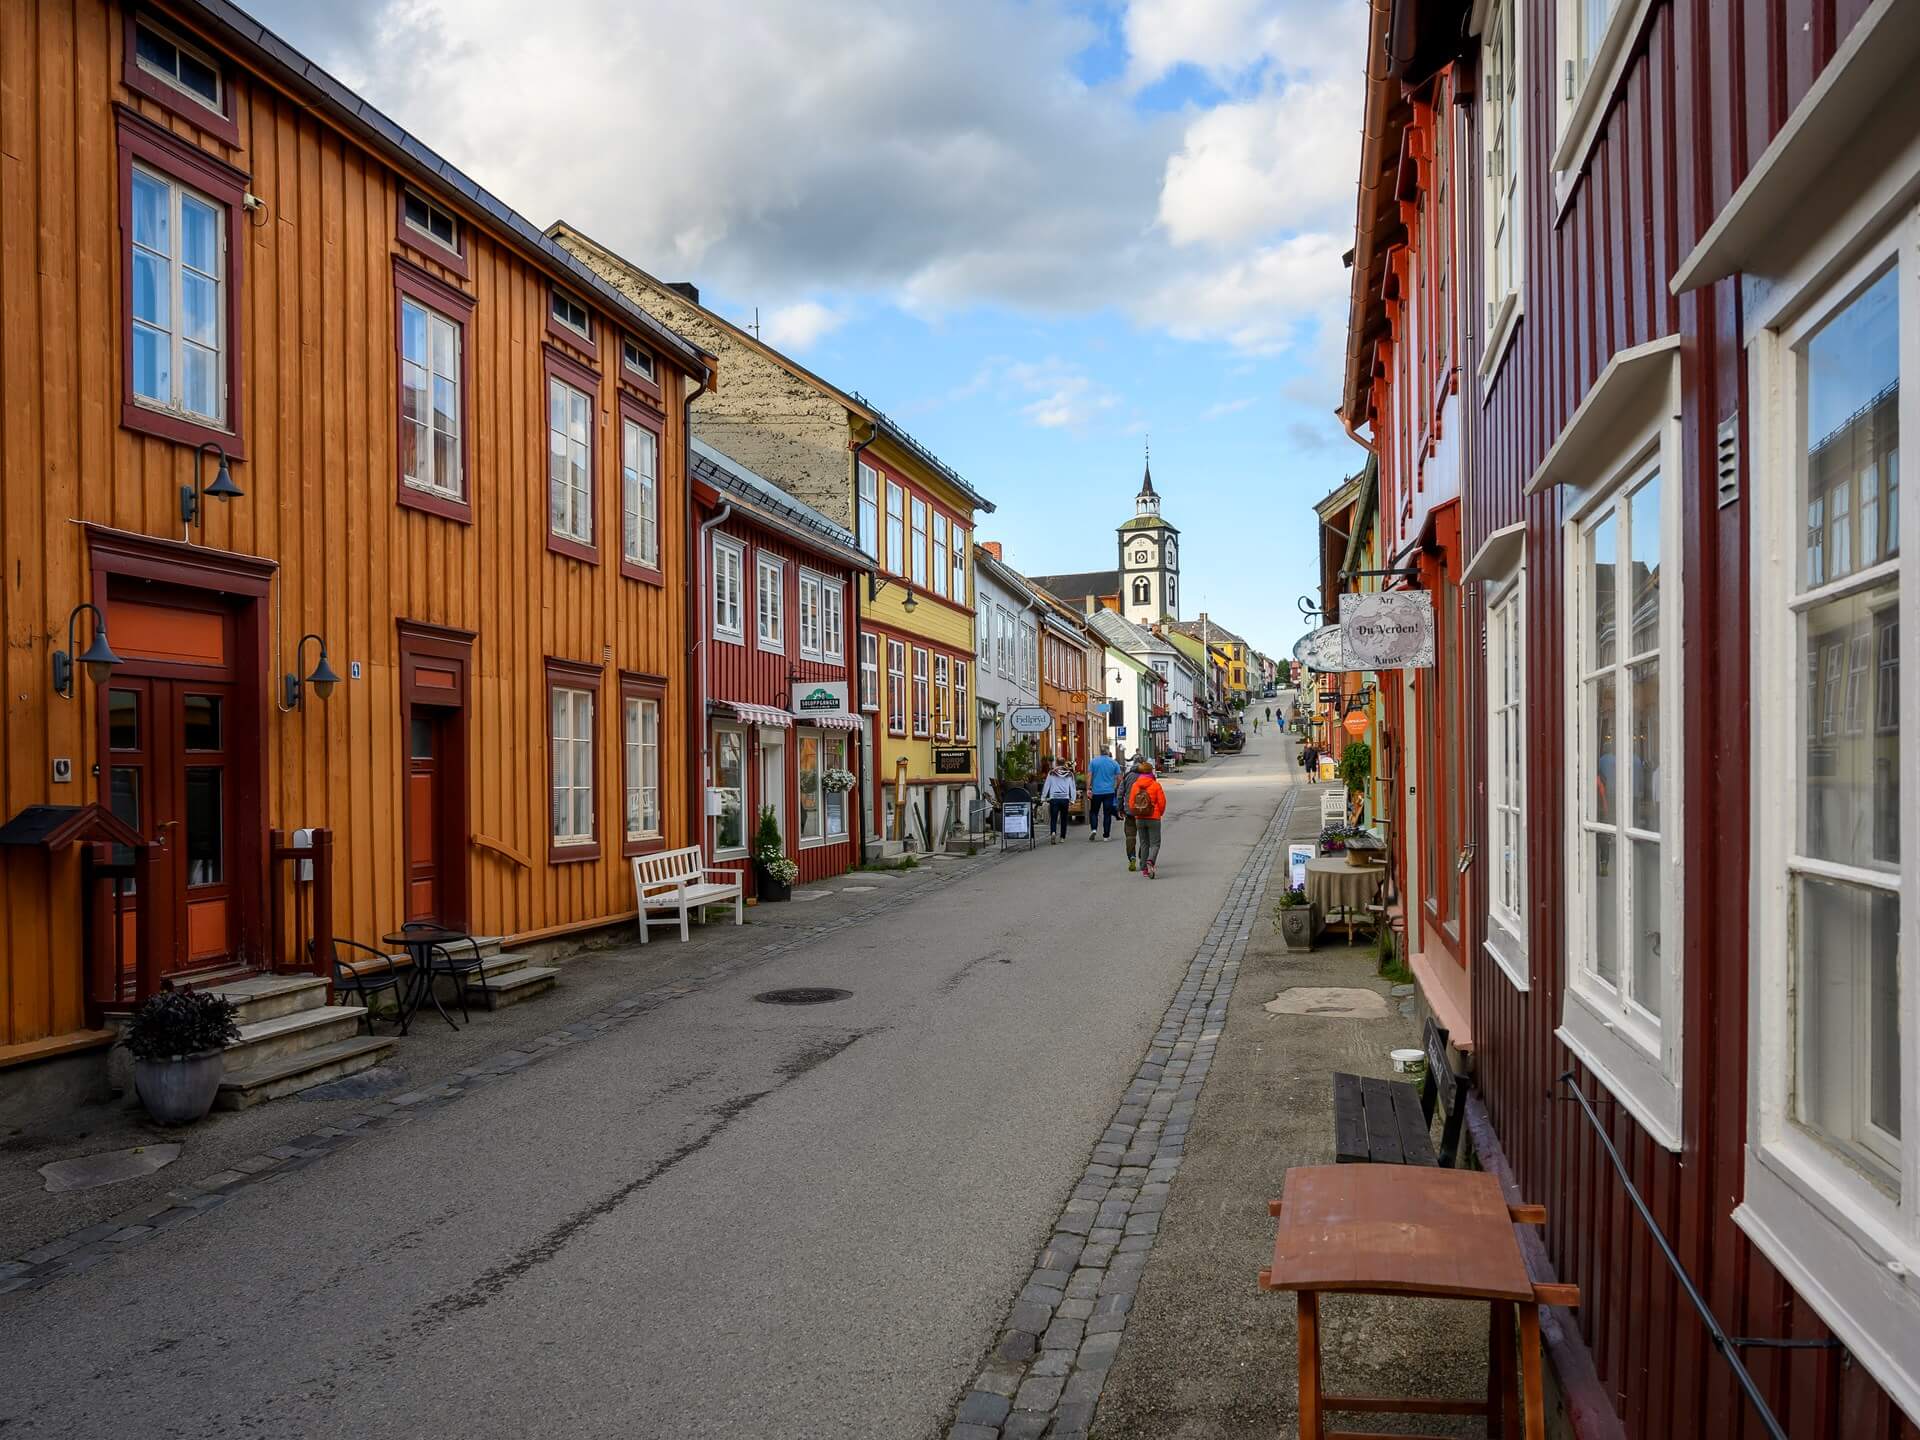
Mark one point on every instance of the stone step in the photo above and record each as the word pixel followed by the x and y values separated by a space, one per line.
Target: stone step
pixel 267 997
pixel 493 965
pixel 289 1074
pixel 289 1034
pixel 502 988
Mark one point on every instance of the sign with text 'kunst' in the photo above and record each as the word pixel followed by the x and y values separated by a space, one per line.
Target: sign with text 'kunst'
pixel 1391 630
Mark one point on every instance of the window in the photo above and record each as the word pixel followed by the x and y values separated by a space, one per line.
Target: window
pixel 1003 640
pixel 1142 590
pixel 431 438
pixel 639 495
pixel 729 563
pixel 917 566
pixel 1592 36
pixel 1501 126
pixel 178 239
pixel 570 314
pixel 896 556
pixel 823 810
pixel 1506 795
pixel 834 802
pixel 869 672
pixel 869 510
pixel 962 713
pixel 635 360
pixel 179 67
pixel 640 739
pixel 896 688
pixel 983 632
pixel 961 551
pixel 941 570
pixel 427 219
pixel 730 781
pixel 922 694
pixel 1173 596
pixel 942 698
pixel 1029 657
pixel 573 772
pixel 570 463
pixel 770 581
pixel 833 598
pixel 810 621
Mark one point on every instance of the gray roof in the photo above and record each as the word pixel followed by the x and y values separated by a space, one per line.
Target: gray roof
pixel 900 437
pixel 1211 632
pixel 1078 587
pixel 768 502
pixel 1134 638
pixel 406 152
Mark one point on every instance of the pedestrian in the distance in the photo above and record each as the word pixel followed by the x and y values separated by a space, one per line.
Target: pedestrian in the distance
pixel 1059 792
pixel 1130 827
pixel 1148 803
pixel 1103 783
pixel 1309 757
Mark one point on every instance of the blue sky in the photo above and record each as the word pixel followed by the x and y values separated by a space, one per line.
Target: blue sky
pixel 1036 232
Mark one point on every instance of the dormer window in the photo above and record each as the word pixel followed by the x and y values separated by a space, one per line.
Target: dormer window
pixel 636 360
pixel 179 65
pixel 436 224
pixel 570 313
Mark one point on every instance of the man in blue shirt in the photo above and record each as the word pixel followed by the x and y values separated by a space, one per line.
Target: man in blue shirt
pixel 1103 781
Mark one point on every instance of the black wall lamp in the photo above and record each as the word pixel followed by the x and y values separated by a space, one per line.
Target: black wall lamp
pixel 193 498
pixel 98 657
pixel 322 678
pixel 874 587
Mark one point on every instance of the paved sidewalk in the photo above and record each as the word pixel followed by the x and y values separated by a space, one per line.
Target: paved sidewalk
pixel 1209 1355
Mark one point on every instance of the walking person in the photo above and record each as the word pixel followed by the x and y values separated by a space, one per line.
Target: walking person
pixel 1059 792
pixel 1148 803
pixel 1309 758
pixel 1103 782
pixel 1130 827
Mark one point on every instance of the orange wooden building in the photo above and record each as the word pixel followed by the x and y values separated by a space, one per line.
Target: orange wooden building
pixel 461 466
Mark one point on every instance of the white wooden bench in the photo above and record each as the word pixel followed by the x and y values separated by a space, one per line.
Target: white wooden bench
pixel 679 880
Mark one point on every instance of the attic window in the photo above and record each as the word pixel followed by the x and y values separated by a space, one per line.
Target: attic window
pixel 431 221
pixel 178 65
pixel 636 360
pixel 571 313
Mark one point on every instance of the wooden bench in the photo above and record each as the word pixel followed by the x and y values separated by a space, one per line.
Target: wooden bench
pixel 1389 1122
pixel 679 880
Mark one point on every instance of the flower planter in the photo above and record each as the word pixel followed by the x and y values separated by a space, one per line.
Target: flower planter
pixel 180 1090
pixel 767 888
pixel 1298 925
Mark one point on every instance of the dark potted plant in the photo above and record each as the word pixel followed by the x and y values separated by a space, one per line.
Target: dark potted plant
pixel 774 873
pixel 1299 922
pixel 177 1039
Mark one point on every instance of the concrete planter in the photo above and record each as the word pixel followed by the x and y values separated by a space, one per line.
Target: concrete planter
pixel 180 1090
pixel 1298 925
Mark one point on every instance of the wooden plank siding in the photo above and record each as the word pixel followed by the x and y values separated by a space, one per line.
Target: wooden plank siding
pixel 319 423
pixel 1708 86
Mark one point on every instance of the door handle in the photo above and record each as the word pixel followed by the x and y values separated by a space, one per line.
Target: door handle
pixel 162 834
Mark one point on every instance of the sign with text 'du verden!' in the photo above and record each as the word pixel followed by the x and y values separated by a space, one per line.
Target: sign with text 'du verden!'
pixel 1321 650
pixel 1030 719
pixel 1392 630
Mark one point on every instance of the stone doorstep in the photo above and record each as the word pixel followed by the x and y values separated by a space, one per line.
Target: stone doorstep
pixel 287 1074
pixel 267 997
pixel 294 1032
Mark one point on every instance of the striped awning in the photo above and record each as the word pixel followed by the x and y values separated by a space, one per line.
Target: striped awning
pixel 759 714
pixel 832 722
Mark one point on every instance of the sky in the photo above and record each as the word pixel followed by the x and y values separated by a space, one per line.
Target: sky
pixel 1040 234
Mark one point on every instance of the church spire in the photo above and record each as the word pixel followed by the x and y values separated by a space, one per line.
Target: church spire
pixel 1147 502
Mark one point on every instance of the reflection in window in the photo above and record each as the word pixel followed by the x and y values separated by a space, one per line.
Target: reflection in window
pixel 205 826
pixel 123 720
pixel 202 722
pixel 729 778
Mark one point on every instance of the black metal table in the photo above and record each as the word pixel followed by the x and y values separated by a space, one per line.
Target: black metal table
pixel 420 942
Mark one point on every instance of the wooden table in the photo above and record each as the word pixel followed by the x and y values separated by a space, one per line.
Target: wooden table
pixel 1397 1230
pixel 1336 883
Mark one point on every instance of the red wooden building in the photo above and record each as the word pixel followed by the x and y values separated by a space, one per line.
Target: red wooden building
pixel 1668 253
pixel 779 730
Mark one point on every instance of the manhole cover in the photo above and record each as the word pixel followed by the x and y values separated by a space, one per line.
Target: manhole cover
pixel 803 995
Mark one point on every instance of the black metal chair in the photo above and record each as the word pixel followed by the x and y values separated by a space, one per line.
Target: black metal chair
pixel 459 960
pixel 368 972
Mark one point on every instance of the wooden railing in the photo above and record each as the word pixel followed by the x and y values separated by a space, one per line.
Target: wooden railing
pixel 302 909
pixel 118 981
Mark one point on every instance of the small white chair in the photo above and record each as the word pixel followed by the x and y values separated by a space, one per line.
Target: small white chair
pixel 679 880
pixel 1333 808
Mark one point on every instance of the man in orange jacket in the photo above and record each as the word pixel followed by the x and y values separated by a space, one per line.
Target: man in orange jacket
pixel 1147 803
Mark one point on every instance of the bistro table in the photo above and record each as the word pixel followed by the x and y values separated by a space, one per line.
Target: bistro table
pixel 1336 883
pixel 1402 1230
pixel 419 941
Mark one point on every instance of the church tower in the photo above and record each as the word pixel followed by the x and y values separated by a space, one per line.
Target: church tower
pixel 1149 560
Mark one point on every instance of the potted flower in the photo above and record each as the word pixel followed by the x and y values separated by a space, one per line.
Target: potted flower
pixel 1299 922
pixel 177 1039
pixel 838 782
pixel 774 873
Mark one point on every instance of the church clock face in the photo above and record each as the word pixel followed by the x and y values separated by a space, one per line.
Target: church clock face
pixel 1142 555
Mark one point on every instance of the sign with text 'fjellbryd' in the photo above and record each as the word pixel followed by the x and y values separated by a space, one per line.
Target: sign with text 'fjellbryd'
pixel 1392 630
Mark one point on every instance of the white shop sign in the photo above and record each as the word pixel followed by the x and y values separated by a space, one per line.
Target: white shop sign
pixel 1392 630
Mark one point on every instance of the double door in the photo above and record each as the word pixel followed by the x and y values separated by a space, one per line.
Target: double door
pixel 169 774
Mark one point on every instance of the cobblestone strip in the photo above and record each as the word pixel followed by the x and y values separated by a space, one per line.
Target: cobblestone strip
pixel 80 1251
pixel 1047 1367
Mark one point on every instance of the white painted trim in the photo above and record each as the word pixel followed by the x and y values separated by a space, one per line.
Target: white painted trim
pixel 1626 393
pixel 1580 119
pixel 1500 336
pixel 1509 952
pixel 1629 1074
pixel 1873 67
pixel 1499 555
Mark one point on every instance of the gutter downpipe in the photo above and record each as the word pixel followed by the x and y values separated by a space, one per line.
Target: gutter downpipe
pixel 695 586
pixel 866 779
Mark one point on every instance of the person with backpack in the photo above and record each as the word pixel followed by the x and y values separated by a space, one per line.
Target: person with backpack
pixel 1147 803
pixel 1059 792
pixel 1130 827
pixel 1103 784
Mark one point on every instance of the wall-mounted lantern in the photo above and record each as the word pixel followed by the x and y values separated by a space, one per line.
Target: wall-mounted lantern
pixel 874 587
pixel 193 498
pixel 322 678
pixel 98 657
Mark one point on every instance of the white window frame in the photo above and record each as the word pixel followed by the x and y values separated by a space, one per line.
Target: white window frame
pixel 922 692
pixel 962 551
pixel 732 852
pixel 639 497
pixel 829 805
pixel 896 556
pixel 770 602
pixel 1503 195
pixel 942 696
pixel 867 510
pixel 833 620
pixel 579 524
pixel 1581 104
pixel 983 634
pixel 217 105
pixel 729 579
pixel 1637 1057
pixel 869 671
pixel 425 232
pixel 433 483
pixel 632 350
pixel 899 696
pixel 1506 940
pixel 962 701
pixel 175 329
pixel 641 776
pixel 917 542
pixel 578 745
pixel 1840 1239
pixel 942 566
pixel 557 295
pixel 810 617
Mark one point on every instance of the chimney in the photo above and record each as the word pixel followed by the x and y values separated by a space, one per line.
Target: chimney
pixel 992 547
pixel 686 289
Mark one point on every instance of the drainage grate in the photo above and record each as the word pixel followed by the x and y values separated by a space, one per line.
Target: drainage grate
pixel 803 995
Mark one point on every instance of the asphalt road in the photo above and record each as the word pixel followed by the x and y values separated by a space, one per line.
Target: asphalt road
pixel 722 1218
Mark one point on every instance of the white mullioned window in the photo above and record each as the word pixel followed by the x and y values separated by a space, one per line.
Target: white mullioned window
pixel 572 726
pixel 640 495
pixel 1593 38
pixel 869 509
pixel 942 698
pixel 570 462
pixel 769 590
pixel 730 780
pixel 895 559
pixel 429 220
pixel 917 543
pixel 810 624
pixel 941 570
pixel 568 311
pixel 179 65
pixel 179 299
pixel 729 566
pixel 1506 779
pixel 1832 1186
pixel 962 549
pixel 983 633
pixel 922 694
pixel 962 703
pixel 869 671
pixel 833 620
pixel 429 400
pixel 1503 169
pixel 896 687
pixel 641 722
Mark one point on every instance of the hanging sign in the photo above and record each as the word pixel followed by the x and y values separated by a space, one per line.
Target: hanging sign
pixel 1392 630
pixel 820 697
pixel 1356 723
pixel 1321 650
pixel 952 762
pixel 1030 719
pixel 1158 724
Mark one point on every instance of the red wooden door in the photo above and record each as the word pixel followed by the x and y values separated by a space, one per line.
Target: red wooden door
pixel 425 816
pixel 1442 715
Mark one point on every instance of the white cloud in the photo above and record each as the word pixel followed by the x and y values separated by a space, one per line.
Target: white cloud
pixel 1262 301
pixel 1220 409
pixel 797 327
pixel 1062 395
pixel 1232 39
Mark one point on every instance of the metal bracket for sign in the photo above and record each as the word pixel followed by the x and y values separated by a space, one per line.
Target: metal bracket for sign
pixel 1405 572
